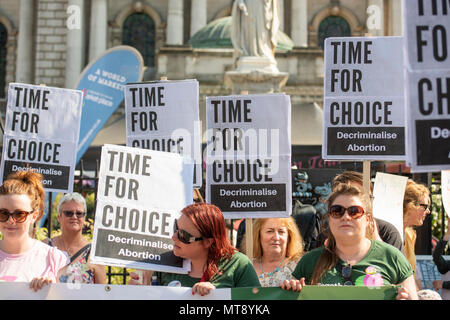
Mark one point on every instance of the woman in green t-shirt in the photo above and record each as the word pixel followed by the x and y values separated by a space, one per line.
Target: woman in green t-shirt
pixel 200 236
pixel 350 255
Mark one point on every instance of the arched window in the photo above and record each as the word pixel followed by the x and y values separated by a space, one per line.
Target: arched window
pixel 333 26
pixel 3 40
pixel 139 32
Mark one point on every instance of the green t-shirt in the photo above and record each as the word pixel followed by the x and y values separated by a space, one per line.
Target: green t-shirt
pixel 382 265
pixel 236 272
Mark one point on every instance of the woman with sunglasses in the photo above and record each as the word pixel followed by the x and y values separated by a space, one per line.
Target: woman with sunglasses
pixel 351 256
pixel 22 258
pixel 200 236
pixel 71 216
pixel 416 207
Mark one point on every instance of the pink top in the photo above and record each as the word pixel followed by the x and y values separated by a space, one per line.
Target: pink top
pixel 40 260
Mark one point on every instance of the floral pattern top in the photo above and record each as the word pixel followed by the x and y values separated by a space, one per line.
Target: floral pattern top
pixel 277 276
pixel 78 270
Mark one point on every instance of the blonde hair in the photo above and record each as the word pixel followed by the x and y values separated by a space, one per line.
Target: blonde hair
pixel 413 193
pixel 294 247
pixel 29 183
pixel 329 258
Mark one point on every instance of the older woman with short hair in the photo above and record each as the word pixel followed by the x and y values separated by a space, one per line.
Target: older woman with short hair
pixel 71 216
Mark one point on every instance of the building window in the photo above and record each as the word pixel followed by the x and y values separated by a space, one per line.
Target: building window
pixel 333 26
pixel 139 32
pixel 3 40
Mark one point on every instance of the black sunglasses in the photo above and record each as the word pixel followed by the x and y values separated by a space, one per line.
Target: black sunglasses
pixel 70 213
pixel 183 235
pixel 18 216
pixel 338 211
pixel 346 273
pixel 424 206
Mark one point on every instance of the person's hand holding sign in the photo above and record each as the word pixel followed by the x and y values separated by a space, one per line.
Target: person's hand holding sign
pixel 294 284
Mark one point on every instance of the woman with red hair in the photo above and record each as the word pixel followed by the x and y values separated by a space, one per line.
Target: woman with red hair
pixel 200 236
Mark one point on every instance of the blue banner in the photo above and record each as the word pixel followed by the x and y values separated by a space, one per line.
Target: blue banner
pixel 102 83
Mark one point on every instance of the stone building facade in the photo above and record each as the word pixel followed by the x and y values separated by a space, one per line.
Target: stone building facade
pixel 51 41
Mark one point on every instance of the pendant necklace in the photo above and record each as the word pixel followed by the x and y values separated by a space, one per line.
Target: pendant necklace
pixel 277 268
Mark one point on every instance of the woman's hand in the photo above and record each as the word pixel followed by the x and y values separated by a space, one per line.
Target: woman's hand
pixel 202 288
pixel 437 284
pixel 37 283
pixel 141 277
pixel 294 284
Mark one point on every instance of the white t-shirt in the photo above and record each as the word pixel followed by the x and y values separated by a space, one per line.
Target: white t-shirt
pixel 40 260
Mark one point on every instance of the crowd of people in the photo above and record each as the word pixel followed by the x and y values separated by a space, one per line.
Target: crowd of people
pixel 356 249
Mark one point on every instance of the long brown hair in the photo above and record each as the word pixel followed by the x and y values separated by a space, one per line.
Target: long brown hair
pixel 29 183
pixel 209 221
pixel 329 258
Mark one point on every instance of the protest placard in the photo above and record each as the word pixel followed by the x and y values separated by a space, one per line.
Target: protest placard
pixel 364 99
pixel 426 26
pixel 388 194
pixel 248 155
pixel 164 116
pixel 445 190
pixel 41 133
pixel 140 194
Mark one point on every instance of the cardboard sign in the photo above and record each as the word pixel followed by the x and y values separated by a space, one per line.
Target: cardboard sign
pixel 388 194
pixel 248 155
pixel 140 194
pixel 364 103
pixel 427 37
pixel 164 116
pixel 41 133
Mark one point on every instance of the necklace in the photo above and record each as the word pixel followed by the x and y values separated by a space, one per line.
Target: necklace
pixel 269 274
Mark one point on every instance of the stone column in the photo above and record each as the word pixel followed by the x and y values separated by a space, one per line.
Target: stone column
pixel 281 14
pixel 99 28
pixel 25 65
pixel 175 23
pixel 198 15
pixel 375 17
pixel 75 42
pixel 299 23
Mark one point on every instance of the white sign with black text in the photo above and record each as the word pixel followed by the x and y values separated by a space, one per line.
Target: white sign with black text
pixel 42 127
pixel 426 26
pixel 140 194
pixel 248 155
pixel 164 116
pixel 364 100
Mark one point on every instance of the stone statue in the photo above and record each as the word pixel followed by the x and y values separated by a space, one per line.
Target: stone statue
pixel 255 25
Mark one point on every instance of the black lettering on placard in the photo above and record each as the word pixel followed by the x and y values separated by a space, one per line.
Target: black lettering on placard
pixel 129 163
pixel 249 197
pixel 348 79
pixel 437 7
pixel 232 111
pixel 241 170
pixel 159 144
pixel 122 187
pixel 30 150
pixel 31 98
pixel 54 177
pixel 354 53
pixel 147 96
pixel 228 139
pixel 433 142
pixel 437 94
pixel 136 247
pixel 360 113
pixel 25 122
pixel 439 42
pixel 121 217
pixel 144 121
pixel 366 141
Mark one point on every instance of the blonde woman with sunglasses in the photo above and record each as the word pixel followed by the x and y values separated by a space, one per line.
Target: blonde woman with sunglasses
pixel 351 256
pixel 22 258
